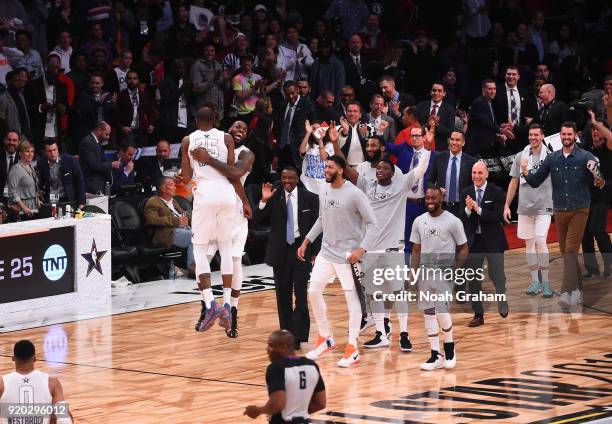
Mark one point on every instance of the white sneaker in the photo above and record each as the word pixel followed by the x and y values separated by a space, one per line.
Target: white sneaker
pixel 576 298
pixel 451 363
pixel 323 345
pixel 350 357
pixel 366 323
pixel 564 300
pixel 434 362
pixel 378 341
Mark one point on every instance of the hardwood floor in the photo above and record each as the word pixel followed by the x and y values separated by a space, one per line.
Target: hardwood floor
pixel 152 367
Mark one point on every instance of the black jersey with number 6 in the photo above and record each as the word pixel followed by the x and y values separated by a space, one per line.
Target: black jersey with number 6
pixel 300 378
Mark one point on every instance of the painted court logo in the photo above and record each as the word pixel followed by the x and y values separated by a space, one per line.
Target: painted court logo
pixel 55 262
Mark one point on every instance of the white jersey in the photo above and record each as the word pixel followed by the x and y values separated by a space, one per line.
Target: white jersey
pixel 26 388
pixel 121 78
pixel 212 186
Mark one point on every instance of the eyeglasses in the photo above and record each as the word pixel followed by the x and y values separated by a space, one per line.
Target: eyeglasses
pixel 416 135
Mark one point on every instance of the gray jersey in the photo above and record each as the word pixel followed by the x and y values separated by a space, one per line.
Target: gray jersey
pixel 365 169
pixel 389 206
pixel 346 220
pixel 533 201
pixel 439 237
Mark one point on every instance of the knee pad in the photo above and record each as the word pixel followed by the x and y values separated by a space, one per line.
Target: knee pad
pixel 200 255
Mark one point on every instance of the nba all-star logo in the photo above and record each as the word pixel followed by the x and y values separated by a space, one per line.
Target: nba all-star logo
pixel 93 258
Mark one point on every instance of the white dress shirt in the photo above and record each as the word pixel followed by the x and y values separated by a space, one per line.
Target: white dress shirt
pixel 294 204
pixel 431 106
pixel 424 154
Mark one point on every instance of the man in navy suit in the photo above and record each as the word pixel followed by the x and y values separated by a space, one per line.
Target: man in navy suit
pixel 451 170
pixel 483 128
pixel 482 208
pixel 290 124
pixel 62 176
pixel 96 170
pixel 408 157
pixel 436 113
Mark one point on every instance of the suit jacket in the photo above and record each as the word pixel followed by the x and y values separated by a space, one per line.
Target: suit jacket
pixel 70 174
pixel 96 171
pixel 147 171
pixel 3 170
pixel 10 114
pixel 552 116
pixel 159 216
pixel 437 176
pixel 169 99
pixel 482 127
pixel 529 108
pixel 34 93
pixel 352 74
pixel 276 211
pixel 390 132
pixel 147 115
pixel 84 114
pixel 490 219
pixel 304 110
pixel 446 112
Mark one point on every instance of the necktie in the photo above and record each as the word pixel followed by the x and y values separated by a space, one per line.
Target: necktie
pixel 479 196
pixel 290 224
pixel 513 111
pixel 135 99
pixel 11 161
pixel 358 65
pixel 492 113
pixel 286 127
pixel 452 187
pixel 415 163
pixel 434 110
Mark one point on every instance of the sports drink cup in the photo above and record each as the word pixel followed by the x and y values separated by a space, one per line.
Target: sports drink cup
pixel 54 211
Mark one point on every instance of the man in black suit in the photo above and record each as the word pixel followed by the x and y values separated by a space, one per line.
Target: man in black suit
pixel 149 169
pixel 90 106
pixel 482 208
pixel 451 169
pixel 515 107
pixel 61 175
pixel 290 124
pixel 46 100
pixel 553 113
pixel 291 219
pixel 355 66
pixel 438 114
pixel 9 156
pixel 483 128
pixel 96 170
pixel 394 100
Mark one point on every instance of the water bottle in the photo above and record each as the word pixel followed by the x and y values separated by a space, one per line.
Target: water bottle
pixel 107 189
pixel 171 272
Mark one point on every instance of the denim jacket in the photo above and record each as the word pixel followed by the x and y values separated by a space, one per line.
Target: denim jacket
pixel 571 180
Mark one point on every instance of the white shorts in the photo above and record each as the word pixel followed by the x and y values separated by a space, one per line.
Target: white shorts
pixel 325 271
pixel 241 233
pixel 531 226
pixel 211 222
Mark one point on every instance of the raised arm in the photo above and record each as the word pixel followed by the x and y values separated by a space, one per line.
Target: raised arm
pixel 186 170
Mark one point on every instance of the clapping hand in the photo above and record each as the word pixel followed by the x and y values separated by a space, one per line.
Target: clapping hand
pixel 394 107
pixel 345 125
pixel 332 132
pixel 471 203
pixel 524 164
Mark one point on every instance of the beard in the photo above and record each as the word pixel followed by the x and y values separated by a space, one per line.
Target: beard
pixel 332 178
pixel 376 158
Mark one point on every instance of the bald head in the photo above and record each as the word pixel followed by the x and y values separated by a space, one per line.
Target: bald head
pixel 206 115
pixel 547 93
pixel 480 173
pixel 280 344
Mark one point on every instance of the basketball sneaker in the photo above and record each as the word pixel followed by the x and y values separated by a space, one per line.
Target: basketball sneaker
pixel 366 322
pixel 233 331
pixel 388 327
pixel 225 316
pixel 534 288
pixel 377 341
pixel 450 358
pixel 576 298
pixel 405 345
pixel 434 362
pixel 564 300
pixel 350 357
pixel 323 345
pixel 207 316
pixel 546 290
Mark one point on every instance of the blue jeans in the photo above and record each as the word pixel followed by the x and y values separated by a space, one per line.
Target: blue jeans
pixel 182 238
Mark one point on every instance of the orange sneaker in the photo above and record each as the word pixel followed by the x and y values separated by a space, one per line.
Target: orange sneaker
pixel 323 345
pixel 350 357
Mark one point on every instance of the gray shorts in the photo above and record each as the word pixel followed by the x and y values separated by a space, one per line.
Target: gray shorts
pixel 434 291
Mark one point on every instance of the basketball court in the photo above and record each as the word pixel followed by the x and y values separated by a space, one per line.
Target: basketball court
pixel 146 364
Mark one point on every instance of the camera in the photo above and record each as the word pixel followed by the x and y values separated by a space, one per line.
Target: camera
pixel 578 112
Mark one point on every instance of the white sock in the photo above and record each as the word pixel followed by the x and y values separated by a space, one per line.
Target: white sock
pixel 354 309
pixel 447 324
pixel 432 329
pixel 545 274
pixel 388 313
pixel 319 308
pixel 379 320
pixel 237 273
pixel 534 275
pixel 207 297
pixel 234 301
pixel 402 318
pixel 227 294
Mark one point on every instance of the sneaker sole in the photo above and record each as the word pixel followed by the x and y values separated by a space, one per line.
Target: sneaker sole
pixel 377 346
pixel 350 365
pixel 532 293
pixel 225 323
pixel 322 353
pixel 204 326
pixel 405 350
pixel 547 296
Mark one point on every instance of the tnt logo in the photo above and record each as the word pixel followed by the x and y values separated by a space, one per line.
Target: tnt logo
pixel 55 262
